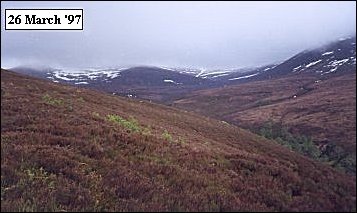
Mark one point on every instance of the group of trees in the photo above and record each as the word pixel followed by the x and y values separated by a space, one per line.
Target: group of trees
pixel 333 154
pixel 298 143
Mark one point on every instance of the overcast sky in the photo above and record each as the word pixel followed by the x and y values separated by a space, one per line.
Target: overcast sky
pixel 186 34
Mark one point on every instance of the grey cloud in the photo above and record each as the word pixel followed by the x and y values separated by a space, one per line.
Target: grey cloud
pixel 195 34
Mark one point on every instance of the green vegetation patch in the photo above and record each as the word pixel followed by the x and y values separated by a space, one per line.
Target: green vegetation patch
pixel 167 136
pixel 333 154
pixel 298 143
pixel 339 158
pixel 52 101
pixel 130 124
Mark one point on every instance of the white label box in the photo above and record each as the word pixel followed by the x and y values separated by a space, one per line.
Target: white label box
pixel 43 19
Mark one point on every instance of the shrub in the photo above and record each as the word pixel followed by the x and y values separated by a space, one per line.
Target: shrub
pixel 80 99
pixel 339 158
pixel 166 135
pixel 146 131
pixel 181 140
pixel 130 124
pixel 95 114
pixel 52 101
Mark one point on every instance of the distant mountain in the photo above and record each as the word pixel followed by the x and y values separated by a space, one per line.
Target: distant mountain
pixel 146 82
pixel 329 60
pixel 337 57
pixel 150 83
pixel 152 76
pixel 241 75
pixel 168 83
pixel 36 71
pixel 134 76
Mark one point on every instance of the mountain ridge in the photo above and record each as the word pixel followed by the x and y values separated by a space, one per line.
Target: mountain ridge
pixel 163 84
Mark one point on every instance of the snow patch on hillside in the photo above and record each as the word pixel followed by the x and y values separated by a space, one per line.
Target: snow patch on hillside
pixel 84 75
pixel 82 82
pixel 242 77
pixel 313 63
pixel 327 53
pixel 171 81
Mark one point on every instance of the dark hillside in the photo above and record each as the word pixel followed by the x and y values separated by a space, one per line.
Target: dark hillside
pixel 71 149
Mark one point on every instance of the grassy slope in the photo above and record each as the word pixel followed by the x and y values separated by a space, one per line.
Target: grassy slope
pixel 60 152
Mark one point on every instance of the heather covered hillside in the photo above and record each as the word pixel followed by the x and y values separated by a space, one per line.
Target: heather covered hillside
pixel 65 148
pixel 323 109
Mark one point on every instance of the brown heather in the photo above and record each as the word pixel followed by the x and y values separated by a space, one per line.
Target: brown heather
pixel 70 149
pixel 324 108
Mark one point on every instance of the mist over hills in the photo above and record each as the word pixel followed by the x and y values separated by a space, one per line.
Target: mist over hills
pixel 144 82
